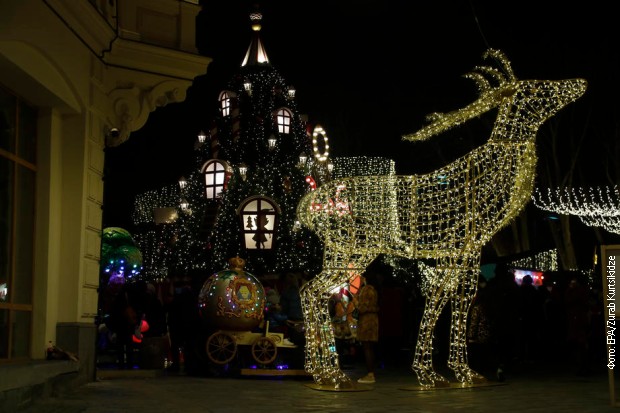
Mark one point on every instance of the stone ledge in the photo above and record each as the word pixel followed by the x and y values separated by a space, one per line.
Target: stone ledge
pixel 31 373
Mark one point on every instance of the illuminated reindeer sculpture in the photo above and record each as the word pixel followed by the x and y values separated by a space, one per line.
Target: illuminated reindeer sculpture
pixel 447 215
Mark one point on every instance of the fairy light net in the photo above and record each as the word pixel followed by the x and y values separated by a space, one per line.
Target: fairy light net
pixel 594 206
pixel 446 215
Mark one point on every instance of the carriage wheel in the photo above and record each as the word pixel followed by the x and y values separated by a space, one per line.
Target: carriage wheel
pixel 221 347
pixel 264 350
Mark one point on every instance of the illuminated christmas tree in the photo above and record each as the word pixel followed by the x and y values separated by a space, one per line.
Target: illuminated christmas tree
pixel 241 197
pixel 255 158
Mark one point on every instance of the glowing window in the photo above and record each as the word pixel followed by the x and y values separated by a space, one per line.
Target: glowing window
pixel 259 217
pixel 283 118
pixel 216 174
pixel 225 103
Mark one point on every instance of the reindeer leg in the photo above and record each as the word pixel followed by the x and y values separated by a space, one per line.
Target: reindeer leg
pixel 321 356
pixel 308 293
pixel 460 302
pixel 422 365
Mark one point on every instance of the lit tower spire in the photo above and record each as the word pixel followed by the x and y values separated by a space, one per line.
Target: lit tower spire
pixel 256 54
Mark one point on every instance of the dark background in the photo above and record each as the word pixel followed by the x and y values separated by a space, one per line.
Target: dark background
pixel 369 72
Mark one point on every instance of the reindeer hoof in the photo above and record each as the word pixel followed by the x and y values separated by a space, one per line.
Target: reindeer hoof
pixel 464 374
pixel 429 378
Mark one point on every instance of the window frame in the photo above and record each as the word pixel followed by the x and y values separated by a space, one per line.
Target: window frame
pixel 266 207
pixel 225 100
pixel 284 120
pixel 11 306
pixel 225 170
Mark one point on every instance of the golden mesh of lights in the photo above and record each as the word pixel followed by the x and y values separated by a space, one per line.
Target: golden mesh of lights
pixel 446 215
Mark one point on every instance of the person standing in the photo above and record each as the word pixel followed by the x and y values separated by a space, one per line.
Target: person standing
pixel 367 305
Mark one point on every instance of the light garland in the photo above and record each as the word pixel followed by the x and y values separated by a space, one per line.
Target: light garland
pixel 595 207
pixel 543 261
pixel 447 215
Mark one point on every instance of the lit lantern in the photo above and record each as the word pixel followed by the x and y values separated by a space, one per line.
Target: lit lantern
pixel 247 85
pixel 184 204
pixel 243 170
pixel 202 137
pixel 302 158
pixel 182 182
pixel 271 142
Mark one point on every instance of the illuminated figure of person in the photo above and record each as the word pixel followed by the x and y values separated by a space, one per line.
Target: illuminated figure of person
pixel 260 238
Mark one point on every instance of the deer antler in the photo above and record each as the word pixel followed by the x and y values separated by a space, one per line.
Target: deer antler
pixel 489 97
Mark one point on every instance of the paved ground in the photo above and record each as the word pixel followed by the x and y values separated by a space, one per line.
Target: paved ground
pixel 530 389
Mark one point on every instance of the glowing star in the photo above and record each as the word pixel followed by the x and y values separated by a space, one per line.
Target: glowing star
pixel 448 219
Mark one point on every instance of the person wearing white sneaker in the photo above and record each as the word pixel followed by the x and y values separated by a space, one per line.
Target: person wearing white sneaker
pixel 367 304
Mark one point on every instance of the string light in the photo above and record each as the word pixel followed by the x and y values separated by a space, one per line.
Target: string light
pixel 447 215
pixel 595 207
pixel 543 261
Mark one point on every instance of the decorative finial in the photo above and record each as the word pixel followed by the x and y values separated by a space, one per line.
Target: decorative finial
pixel 256 17
pixel 236 263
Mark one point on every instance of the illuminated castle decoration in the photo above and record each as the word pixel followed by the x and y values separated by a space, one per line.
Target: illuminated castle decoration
pixel 254 161
pixel 447 215
pixel 595 207
pixel 252 169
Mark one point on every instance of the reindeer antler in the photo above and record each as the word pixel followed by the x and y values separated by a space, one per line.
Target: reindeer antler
pixel 490 91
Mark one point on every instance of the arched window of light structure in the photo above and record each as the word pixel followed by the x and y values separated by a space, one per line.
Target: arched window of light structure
pixel 259 217
pixel 283 120
pixel 225 100
pixel 216 173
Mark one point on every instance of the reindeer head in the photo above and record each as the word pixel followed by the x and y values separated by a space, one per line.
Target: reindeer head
pixel 529 101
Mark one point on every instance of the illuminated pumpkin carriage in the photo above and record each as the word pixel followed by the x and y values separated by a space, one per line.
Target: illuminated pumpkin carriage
pixel 232 302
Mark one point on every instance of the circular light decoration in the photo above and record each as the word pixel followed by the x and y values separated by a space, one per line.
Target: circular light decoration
pixel 319 138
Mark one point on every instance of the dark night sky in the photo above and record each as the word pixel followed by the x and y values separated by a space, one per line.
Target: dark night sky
pixel 370 70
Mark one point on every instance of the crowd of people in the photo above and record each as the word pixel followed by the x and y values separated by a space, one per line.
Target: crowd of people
pixel 510 324
pixel 558 322
pixel 139 311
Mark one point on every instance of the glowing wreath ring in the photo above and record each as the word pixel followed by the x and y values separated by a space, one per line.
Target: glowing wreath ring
pixel 319 131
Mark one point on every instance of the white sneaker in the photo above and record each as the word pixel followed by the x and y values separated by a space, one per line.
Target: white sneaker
pixel 367 379
pixel 287 342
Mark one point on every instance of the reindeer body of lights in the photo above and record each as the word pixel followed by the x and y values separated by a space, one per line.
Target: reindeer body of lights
pixel 447 215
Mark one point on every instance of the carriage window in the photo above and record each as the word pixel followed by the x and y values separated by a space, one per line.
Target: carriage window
pixel 225 103
pixel 283 118
pixel 258 217
pixel 216 178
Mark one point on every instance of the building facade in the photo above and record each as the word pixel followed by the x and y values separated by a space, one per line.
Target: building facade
pixel 75 78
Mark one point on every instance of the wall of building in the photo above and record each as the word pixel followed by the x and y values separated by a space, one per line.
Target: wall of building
pixel 87 75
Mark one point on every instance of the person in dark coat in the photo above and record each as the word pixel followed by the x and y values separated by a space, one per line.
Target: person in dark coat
pixel 123 320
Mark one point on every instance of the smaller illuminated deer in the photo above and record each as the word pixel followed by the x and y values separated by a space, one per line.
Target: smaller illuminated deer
pixel 447 215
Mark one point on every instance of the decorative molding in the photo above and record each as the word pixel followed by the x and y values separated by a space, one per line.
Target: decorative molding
pixel 131 106
pixel 142 57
